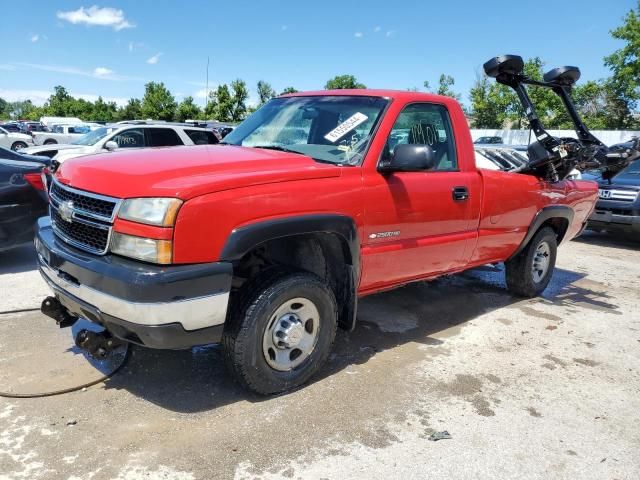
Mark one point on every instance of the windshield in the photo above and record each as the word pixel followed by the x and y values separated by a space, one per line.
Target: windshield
pixel 93 137
pixel 335 129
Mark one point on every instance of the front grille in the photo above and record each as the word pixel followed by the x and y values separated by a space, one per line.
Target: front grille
pixel 82 219
pixel 91 204
pixel 618 194
pixel 92 238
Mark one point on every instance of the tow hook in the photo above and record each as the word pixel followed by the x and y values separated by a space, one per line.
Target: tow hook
pixel 52 307
pixel 97 344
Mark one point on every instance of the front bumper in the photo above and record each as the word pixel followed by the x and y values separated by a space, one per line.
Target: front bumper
pixel 174 307
pixel 607 220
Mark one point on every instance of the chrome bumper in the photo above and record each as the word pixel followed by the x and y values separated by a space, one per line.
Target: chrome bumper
pixel 192 314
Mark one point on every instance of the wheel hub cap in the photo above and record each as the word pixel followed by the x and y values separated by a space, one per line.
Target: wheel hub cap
pixel 540 262
pixel 288 331
pixel 291 334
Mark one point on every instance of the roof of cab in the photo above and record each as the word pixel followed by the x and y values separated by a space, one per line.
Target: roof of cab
pixel 365 92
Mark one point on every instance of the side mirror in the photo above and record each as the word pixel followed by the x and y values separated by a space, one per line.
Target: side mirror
pixel 410 158
pixel 111 145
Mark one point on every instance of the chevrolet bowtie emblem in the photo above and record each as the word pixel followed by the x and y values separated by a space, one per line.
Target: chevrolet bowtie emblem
pixel 65 210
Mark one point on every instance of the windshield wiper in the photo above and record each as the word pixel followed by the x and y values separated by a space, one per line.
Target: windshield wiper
pixel 278 148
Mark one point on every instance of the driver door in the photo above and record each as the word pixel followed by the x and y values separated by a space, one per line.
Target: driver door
pixel 419 224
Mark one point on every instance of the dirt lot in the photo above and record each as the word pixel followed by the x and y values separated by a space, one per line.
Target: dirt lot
pixel 544 388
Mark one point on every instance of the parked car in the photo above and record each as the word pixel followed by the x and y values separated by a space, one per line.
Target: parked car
pixel 32 127
pixel 125 136
pixel 618 207
pixel 14 141
pixel 488 140
pixel 22 197
pixel 265 242
pixel 63 134
pixel 12 127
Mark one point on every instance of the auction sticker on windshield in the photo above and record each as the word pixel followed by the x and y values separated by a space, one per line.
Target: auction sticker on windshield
pixel 345 127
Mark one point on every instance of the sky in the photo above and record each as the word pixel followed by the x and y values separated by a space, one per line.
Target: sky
pixel 114 47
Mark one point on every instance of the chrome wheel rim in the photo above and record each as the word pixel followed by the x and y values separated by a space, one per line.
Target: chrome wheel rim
pixel 291 334
pixel 540 264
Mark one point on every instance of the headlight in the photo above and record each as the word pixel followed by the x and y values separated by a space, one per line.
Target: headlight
pixel 161 212
pixel 145 249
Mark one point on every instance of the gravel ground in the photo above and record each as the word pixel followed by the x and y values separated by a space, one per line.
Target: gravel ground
pixel 546 388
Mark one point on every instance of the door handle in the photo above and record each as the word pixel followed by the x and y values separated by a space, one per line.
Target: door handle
pixel 460 194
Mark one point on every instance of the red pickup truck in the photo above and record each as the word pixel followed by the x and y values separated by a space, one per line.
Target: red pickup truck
pixel 266 241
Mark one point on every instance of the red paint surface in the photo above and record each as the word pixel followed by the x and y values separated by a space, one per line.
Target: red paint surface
pixel 226 187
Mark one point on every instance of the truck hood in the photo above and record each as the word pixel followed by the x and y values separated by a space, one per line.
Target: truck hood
pixel 187 172
pixel 55 146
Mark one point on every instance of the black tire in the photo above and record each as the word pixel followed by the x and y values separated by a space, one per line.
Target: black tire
pixel 50 142
pixel 18 145
pixel 521 279
pixel 251 315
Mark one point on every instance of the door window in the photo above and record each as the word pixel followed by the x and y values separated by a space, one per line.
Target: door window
pixel 200 137
pixel 425 124
pixel 132 138
pixel 163 137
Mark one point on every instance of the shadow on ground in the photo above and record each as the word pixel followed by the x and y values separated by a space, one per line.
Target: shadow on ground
pixel 611 240
pixel 196 380
pixel 18 260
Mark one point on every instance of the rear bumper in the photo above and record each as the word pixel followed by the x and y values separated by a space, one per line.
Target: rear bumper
pixel 607 220
pixel 159 307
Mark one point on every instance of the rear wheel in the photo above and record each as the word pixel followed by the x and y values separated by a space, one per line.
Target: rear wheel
pixel 529 272
pixel 18 146
pixel 280 331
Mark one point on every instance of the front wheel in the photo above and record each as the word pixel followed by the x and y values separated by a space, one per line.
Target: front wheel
pixel 18 146
pixel 529 272
pixel 280 331
pixel 50 142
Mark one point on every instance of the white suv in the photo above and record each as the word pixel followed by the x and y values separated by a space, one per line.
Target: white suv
pixel 134 135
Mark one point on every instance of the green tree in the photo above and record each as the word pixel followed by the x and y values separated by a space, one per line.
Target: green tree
pixel 342 82
pixel 288 90
pixel 265 92
pixel 624 86
pixel 103 111
pixel 59 103
pixel 220 104
pixel 131 111
pixel 3 108
pixel 490 103
pixel 239 99
pixel 158 103
pixel 445 82
pixel 23 109
pixel 187 110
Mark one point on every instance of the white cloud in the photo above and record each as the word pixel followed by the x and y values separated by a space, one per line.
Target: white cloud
pixel 377 29
pixel 153 60
pixel 35 38
pixel 99 72
pixel 358 35
pixel 38 97
pixel 96 16
pixel 102 71
pixel 390 33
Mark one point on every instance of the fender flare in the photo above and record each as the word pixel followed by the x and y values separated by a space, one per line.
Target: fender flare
pixel 244 239
pixel 547 213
